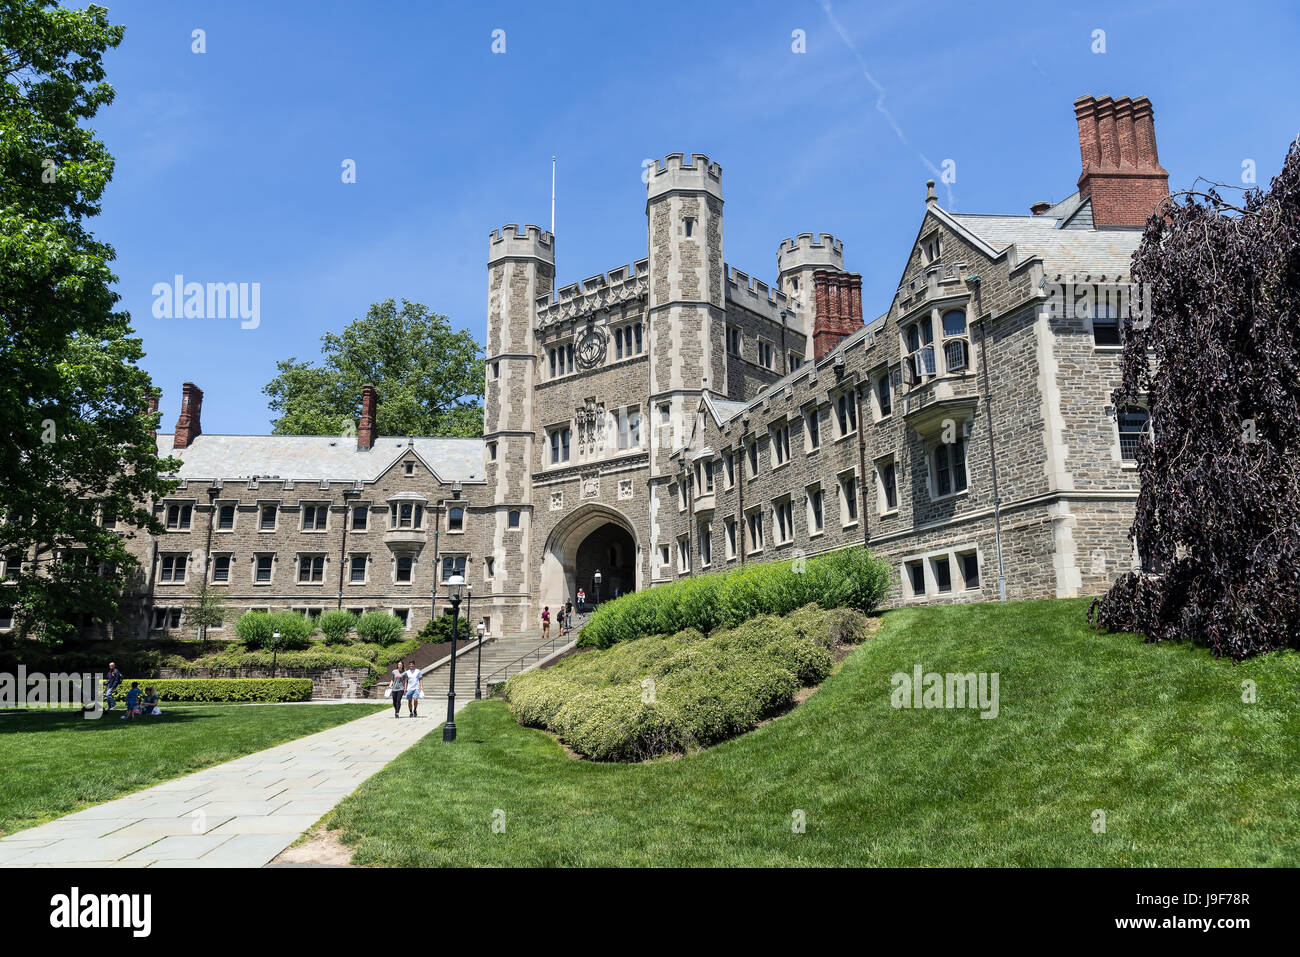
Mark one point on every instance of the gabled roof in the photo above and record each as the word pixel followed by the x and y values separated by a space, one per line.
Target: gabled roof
pixel 319 457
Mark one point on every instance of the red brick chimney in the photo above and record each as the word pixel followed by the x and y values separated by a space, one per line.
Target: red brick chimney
pixel 837 300
pixel 1121 171
pixel 366 430
pixel 187 426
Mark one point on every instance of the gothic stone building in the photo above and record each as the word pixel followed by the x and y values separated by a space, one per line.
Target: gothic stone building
pixel 677 416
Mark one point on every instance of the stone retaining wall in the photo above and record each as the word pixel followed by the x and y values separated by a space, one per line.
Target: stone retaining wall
pixel 325 682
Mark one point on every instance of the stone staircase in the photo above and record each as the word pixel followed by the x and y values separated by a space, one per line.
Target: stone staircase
pixel 503 656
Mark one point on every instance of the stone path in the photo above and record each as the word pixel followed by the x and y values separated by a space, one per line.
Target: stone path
pixel 238 814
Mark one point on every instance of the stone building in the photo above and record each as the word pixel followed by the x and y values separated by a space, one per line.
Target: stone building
pixel 676 415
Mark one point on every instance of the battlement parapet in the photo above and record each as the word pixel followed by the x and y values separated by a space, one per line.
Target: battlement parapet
pixel 808 250
pixel 621 284
pixel 757 296
pixel 675 171
pixel 511 242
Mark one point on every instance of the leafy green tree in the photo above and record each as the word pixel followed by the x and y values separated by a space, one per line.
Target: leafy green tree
pixel 72 394
pixel 207 610
pixel 428 375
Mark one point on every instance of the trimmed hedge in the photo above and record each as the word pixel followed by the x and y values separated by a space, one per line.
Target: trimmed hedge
pixel 224 689
pixel 849 578
pixel 672 693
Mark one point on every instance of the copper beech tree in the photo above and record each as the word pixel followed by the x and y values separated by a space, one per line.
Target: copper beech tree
pixel 1216 360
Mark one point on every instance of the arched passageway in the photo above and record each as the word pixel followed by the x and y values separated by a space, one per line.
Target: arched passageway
pixel 594 537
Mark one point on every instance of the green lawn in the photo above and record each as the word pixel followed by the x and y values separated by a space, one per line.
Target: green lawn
pixel 55 762
pixel 1157 736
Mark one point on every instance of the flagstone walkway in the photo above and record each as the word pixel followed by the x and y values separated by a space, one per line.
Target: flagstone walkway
pixel 238 814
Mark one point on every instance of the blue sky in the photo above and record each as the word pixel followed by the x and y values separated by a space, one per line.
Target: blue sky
pixel 229 162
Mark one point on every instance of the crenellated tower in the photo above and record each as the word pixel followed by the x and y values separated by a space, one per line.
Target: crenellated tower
pixel 686 308
pixel 796 261
pixel 521 268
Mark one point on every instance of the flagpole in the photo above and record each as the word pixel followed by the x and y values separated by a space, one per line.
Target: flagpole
pixel 552 195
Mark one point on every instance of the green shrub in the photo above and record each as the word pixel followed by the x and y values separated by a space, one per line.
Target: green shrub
pixel 256 629
pixel 228 689
pixel 379 627
pixel 337 626
pixel 848 578
pixel 439 629
pixel 664 693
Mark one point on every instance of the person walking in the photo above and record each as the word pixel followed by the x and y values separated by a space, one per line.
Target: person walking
pixel 546 622
pixel 398 688
pixel 112 678
pixel 568 617
pixel 582 599
pixel 413 692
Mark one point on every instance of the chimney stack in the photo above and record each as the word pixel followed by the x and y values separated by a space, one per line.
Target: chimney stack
pixel 838 303
pixel 369 407
pixel 187 426
pixel 1121 170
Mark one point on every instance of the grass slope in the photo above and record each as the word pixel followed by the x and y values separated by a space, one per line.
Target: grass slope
pixel 1157 736
pixel 55 762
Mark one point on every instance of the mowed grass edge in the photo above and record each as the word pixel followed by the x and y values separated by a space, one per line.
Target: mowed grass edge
pixel 1155 736
pixel 55 762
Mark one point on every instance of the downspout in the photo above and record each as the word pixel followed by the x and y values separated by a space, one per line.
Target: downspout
pixel 740 487
pixel 213 491
pixel 862 466
pixel 988 411
pixel 343 546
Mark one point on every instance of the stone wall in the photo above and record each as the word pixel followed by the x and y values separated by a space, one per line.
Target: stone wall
pixel 326 683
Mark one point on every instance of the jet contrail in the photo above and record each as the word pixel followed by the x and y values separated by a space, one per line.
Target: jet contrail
pixel 880 99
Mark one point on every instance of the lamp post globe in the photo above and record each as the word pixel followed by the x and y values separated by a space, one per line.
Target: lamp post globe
pixel 456 589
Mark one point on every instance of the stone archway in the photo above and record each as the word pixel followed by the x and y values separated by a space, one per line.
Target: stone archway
pixel 592 537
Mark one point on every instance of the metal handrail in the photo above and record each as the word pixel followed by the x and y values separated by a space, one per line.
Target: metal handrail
pixel 549 644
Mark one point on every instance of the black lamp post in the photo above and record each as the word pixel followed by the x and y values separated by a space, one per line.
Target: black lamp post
pixel 275 650
pixel 478 676
pixel 595 582
pixel 455 587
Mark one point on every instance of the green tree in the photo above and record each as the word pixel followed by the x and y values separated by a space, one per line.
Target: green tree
pixel 207 610
pixel 428 375
pixel 72 394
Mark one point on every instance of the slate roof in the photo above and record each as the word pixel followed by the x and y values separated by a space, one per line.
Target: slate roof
pixel 1063 249
pixel 319 457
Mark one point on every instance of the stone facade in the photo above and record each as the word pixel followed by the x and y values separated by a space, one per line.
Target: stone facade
pixel 676 415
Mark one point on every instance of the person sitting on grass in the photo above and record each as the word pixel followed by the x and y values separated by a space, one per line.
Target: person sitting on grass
pixel 151 701
pixel 132 701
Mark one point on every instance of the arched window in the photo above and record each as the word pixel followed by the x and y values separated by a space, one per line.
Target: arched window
pixel 1134 422
pixel 456 519
pixel 956 348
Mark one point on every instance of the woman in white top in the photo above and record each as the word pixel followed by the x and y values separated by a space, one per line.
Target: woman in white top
pixel 399 686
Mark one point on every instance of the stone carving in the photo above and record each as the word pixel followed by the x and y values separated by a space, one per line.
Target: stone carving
pixel 590 486
pixel 624 489
pixel 557 501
